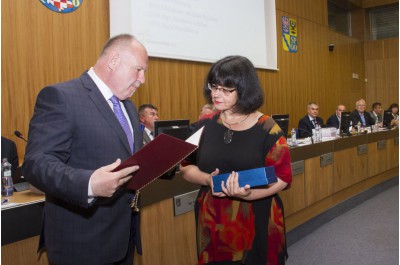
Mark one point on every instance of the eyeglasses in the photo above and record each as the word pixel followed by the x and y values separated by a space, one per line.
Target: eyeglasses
pixel 226 90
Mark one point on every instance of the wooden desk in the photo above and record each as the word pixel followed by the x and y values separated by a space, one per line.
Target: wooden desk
pixel 21 216
pixel 322 187
pixel 169 239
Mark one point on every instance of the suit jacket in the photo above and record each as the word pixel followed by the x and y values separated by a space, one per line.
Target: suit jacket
pixel 146 138
pixel 72 133
pixel 333 121
pixel 377 119
pixel 355 118
pixel 305 126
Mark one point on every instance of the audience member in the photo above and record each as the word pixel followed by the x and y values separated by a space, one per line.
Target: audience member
pixel 79 133
pixel 376 113
pixel 207 109
pixel 359 115
pixel 148 114
pixel 394 108
pixel 334 120
pixel 308 122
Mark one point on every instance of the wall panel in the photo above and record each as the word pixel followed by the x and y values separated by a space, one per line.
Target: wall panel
pixel 318 180
pixel 349 168
pixel 41 47
pixel 382 71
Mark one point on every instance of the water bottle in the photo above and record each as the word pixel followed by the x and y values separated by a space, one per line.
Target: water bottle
pixel 6 179
pixel 293 138
pixel 317 133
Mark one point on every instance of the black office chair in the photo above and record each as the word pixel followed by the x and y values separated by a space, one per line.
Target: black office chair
pixel 283 121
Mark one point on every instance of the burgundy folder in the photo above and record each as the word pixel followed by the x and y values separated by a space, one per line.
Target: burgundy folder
pixel 155 159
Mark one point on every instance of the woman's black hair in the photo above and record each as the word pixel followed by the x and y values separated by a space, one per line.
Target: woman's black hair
pixel 237 72
pixel 393 105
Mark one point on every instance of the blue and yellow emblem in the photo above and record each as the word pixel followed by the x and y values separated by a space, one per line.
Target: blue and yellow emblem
pixel 62 6
pixel 289 34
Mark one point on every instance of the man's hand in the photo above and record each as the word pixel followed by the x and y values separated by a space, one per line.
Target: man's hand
pixel 104 182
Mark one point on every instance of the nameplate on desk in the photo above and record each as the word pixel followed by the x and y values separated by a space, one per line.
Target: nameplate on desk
pixel 396 140
pixel 185 202
pixel 362 149
pixel 381 144
pixel 326 159
pixel 298 168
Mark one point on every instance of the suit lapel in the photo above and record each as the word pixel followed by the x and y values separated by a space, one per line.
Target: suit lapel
pixel 105 110
pixel 146 138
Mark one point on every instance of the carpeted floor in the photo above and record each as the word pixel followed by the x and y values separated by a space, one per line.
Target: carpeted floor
pixel 367 234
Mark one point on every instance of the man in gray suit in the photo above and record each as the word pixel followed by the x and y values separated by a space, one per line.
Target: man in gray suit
pixel 80 131
pixel 376 113
pixel 148 114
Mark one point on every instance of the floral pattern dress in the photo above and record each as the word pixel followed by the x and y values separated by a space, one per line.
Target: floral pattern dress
pixel 251 232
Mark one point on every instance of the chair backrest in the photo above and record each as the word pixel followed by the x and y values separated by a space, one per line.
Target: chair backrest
pixel 283 121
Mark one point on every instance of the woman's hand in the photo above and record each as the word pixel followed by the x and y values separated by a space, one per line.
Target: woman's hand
pixel 232 188
pixel 217 194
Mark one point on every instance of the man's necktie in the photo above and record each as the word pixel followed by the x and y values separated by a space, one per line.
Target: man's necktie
pixel 122 120
pixel 362 119
pixel 315 122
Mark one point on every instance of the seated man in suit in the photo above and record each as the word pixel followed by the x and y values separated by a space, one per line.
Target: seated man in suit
pixel 359 115
pixel 376 113
pixel 334 120
pixel 308 122
pixel 148 114
pixel 9 151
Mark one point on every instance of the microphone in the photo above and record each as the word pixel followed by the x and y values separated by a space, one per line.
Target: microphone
pixel 19 135
pixel 309 134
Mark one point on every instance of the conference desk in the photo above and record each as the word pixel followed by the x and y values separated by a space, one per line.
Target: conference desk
pixel 324 174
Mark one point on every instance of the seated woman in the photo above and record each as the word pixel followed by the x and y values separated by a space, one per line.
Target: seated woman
pixel 394 108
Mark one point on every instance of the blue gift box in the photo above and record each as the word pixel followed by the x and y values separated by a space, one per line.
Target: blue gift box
pixel 253 177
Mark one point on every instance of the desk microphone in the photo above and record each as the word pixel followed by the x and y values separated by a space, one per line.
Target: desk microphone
pixel 19 135
pixel 308 133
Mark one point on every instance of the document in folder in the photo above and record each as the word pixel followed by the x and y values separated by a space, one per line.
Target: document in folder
pixel 158 157
pixel 253 177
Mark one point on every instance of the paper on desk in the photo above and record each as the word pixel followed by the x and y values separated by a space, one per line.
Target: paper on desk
pixel 9 205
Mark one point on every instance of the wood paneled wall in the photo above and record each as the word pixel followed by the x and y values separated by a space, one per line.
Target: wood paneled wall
pixel 381 66
pixel 41 47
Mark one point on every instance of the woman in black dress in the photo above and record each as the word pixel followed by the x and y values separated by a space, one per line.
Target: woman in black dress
pixel 240 225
